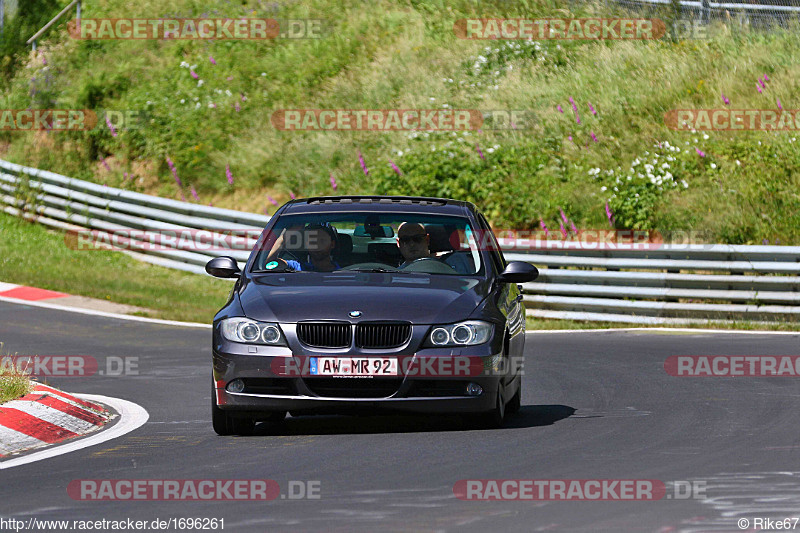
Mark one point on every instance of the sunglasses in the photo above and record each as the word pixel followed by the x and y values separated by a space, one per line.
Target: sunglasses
pixel 418 239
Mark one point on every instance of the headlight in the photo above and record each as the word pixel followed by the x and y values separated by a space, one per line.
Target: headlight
pixel 440 336
pixel 240 329
pixel 467 333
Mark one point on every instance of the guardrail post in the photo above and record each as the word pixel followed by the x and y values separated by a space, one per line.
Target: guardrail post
pixel 32 40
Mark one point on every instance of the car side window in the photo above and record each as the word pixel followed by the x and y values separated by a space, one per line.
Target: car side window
pixel 495 252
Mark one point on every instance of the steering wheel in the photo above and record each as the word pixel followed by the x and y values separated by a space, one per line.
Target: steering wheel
pixel 438 266
pixel 286 252
pixel 420 259
pixel 366 266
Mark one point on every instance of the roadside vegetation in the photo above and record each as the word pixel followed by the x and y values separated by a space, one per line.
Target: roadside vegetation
pixel 13 383
pixel 596 152
pixel 206 134
pixel 30 254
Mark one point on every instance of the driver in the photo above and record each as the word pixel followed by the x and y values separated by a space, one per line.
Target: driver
pixel 320 241
pixel 414 243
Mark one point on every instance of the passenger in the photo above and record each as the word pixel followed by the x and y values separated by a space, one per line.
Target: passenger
pixel 319 241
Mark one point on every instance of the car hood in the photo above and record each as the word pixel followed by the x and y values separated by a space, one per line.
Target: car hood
pixel 419 299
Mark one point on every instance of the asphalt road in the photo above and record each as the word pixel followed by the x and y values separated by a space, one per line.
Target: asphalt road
pixel 595 406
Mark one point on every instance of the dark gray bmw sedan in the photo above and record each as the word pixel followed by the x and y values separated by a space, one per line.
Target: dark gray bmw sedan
pixel 366 304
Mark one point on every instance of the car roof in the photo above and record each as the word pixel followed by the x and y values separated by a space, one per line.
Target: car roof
pixel 397 204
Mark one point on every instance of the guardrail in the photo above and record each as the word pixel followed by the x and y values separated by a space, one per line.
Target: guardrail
pixel 75 205
pixel 631 283
pixel 764 13
pixel 77 3
pixel 668 284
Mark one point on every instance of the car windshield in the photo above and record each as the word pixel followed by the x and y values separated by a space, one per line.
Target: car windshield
pixel 370 242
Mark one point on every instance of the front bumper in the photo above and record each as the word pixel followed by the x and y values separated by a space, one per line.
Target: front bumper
pixel 268 389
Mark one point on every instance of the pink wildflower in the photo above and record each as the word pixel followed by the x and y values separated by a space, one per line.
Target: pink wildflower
pixel 394 167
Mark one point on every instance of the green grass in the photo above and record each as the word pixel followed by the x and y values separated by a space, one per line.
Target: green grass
pixel 32 255
pixel 388 54
pixel 13 384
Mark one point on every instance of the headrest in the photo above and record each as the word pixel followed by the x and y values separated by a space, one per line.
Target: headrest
pixel 440 240
pixel 344 244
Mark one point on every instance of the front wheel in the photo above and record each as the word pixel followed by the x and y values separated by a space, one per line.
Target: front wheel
pixel 224 424
pixel 496 417
pixel 515 403
pixel 276 418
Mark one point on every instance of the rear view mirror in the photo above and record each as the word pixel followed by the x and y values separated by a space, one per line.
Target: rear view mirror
pixel 223 267
pixel 375 232
pixel 518 272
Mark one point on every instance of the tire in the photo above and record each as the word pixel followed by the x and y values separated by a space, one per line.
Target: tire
pixel 515 403
pixel 495 418
pixel 226 425
pixel 276 417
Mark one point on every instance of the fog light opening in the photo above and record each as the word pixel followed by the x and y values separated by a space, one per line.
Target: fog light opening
pixel 237 385
pixel 473 389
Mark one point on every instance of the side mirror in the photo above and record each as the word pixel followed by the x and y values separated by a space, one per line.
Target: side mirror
pixel 223 267
pixel 518 272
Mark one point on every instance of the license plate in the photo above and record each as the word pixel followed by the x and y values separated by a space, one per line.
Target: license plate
pixel 353 366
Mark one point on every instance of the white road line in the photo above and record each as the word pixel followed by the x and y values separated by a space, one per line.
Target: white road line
pixel 131 417
pixel 7 286
pixel 104 314
pixel 687 330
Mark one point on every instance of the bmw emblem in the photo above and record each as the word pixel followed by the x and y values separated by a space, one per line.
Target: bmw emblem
pixel 355 314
